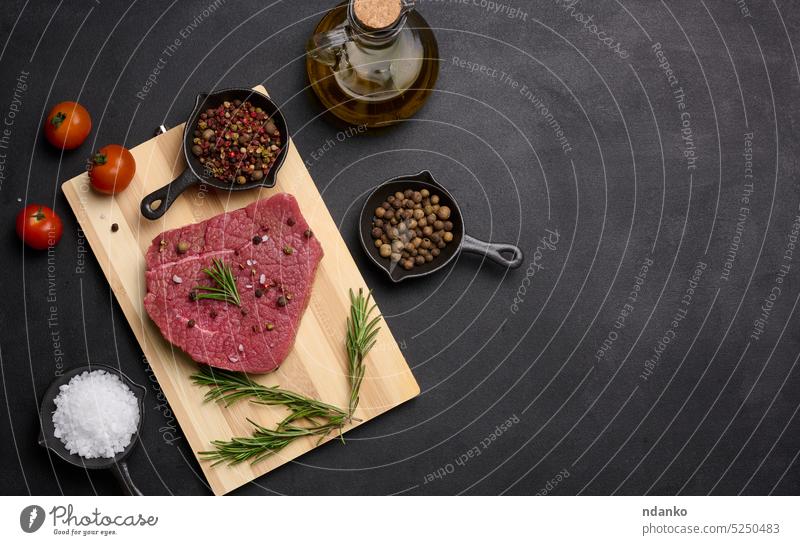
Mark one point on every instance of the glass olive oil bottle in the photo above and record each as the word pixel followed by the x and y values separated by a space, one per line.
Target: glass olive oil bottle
pixel 373 62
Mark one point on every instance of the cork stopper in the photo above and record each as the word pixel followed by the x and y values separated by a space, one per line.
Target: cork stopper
pixel 377 14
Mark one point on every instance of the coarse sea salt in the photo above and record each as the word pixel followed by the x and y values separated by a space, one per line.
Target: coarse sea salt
pixel 96 415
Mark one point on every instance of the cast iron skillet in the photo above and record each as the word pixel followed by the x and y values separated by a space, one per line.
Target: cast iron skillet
pixel 158 202
pixel 461 241
pixel 48 439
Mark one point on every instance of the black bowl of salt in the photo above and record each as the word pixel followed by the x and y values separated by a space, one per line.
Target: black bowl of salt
pixel 71 436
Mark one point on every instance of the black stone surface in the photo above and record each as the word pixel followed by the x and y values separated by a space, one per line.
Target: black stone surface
pixel 718 412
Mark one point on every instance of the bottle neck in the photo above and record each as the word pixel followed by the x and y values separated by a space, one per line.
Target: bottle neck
pixel 378 37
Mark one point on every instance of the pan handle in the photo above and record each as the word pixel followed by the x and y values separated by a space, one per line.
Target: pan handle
pixel 198 100
pixel 494 251
pixel 123 475
pixel 158 202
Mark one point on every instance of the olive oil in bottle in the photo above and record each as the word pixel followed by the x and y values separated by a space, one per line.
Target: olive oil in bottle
pixel 373 62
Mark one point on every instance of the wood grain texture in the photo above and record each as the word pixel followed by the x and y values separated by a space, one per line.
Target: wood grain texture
pixel 317 365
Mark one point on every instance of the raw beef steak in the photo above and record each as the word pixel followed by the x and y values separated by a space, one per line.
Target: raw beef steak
pixel 273 255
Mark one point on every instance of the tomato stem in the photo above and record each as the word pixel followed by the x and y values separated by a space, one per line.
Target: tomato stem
pixel 58 119
pixel 39 215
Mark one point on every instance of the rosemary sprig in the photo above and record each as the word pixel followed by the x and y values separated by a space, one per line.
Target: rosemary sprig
pixel 229 387
pixel 226 289
pixel 321 418
pixel 361 333
pixel 261 444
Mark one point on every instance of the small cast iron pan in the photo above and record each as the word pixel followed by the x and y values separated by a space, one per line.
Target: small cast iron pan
pixel 158 202
pixel 461 241
pixel 48 439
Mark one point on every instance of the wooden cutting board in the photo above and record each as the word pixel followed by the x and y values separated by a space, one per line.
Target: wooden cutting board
pixel 317 365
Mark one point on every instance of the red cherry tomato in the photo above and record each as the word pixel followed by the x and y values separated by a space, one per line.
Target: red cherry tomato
pixel 67 125
pixel 112 169
pixel 39 227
